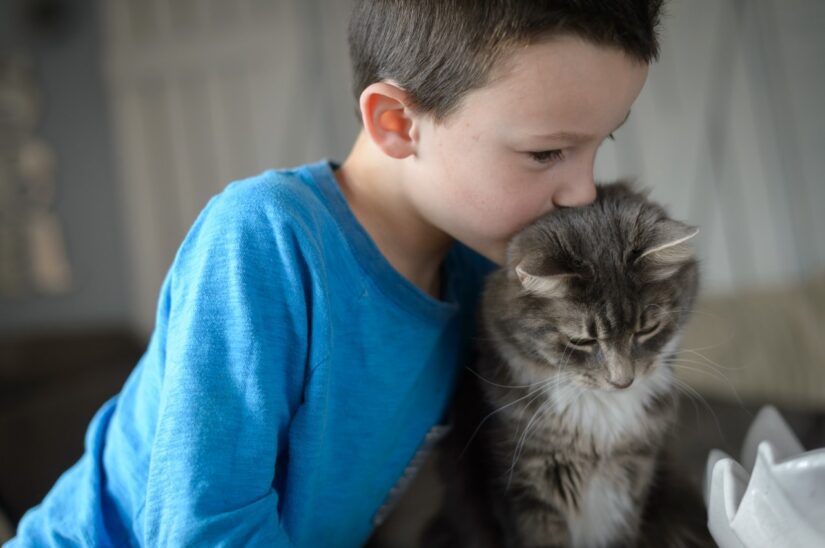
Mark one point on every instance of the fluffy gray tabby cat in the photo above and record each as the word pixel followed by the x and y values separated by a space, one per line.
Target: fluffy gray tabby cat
pixel 558 437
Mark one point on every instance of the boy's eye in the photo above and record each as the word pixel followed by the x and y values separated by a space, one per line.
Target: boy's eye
pixel 546 156
pixel 611 137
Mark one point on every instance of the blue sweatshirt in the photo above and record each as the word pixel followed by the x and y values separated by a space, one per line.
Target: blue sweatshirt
pixel 291 378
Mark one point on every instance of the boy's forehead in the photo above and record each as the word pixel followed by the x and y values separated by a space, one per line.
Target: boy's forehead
pixel 565 80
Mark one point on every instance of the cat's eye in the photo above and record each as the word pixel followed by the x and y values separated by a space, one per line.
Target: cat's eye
pixel 546 156
pixel 583 343
pixel 648 331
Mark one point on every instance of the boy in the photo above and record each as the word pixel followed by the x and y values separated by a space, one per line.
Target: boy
pixel 312 326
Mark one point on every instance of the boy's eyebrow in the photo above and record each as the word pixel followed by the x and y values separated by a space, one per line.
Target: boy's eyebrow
pixel 574 137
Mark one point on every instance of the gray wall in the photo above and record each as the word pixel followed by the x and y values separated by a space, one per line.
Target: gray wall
pixel 75 124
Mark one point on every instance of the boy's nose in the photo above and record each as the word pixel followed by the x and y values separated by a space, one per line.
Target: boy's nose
pixel 576 193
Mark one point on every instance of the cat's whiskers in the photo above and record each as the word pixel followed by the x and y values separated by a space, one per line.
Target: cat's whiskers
pixel 704 366
pixel 694 352
pixel 729 337
pixel 565 358
pixel 686 366
pixel 700 367
pixel 712 366
pixel 712 346
pixel 691 392
pixel 534 422
pixel 534 393
pixel 488 381
pixel 543 408
pixel 688 310
pixel 692 400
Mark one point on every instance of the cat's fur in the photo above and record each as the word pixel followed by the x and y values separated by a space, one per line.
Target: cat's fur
pixel 559 442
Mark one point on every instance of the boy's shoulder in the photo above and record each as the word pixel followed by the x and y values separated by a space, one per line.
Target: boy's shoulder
pixel 300 198
pixel 301 213
pixel 274 215
pixel 275 201
pixel 282 196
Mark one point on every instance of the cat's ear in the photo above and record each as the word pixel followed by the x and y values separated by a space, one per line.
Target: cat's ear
pixel 668 249
pixel 547 282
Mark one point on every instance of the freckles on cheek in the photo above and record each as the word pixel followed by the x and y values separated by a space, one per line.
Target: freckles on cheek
pixel 470 199
pixel 523 213
pixel 502 217
pixel 496 205
pixel 462 181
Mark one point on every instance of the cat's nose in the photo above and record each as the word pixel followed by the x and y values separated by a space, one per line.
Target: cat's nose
pixel 622 384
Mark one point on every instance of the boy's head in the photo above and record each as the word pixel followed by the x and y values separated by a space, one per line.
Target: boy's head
pixel 496 108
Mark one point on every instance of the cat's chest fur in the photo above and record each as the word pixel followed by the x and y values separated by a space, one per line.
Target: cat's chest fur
pixel 605 432
pixel 609 419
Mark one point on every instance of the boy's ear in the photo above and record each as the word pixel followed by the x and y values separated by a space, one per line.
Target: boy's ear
pixel 388 119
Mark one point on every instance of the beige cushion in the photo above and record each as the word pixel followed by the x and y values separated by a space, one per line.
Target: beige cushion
pixel 764 345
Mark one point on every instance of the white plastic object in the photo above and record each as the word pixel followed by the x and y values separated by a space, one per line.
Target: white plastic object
pixel 775 498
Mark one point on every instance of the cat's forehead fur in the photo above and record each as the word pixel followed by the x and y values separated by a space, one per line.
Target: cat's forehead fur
pixel 596 249
pixel 606 232
pixel 598 242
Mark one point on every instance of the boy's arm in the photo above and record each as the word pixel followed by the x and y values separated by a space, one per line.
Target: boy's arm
pixel 235 364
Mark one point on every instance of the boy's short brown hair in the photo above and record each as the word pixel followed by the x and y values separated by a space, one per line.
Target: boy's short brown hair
pixel 438 50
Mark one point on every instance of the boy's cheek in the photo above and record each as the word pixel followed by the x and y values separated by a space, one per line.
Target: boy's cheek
pixel 487 192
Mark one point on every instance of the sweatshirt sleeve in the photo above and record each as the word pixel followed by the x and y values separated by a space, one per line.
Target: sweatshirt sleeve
pixel 236 359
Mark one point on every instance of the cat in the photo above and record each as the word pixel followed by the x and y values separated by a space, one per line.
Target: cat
pixel 558 433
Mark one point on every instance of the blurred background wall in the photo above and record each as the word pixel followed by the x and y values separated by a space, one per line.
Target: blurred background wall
pixel 153 106
pixel 61 45
pixel 149 107
pixel 204 92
